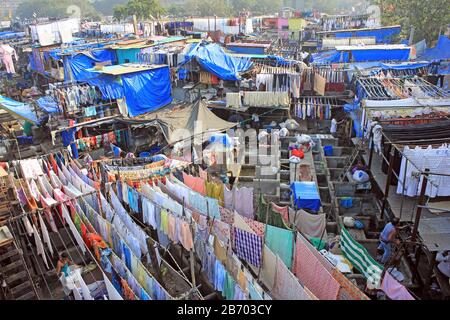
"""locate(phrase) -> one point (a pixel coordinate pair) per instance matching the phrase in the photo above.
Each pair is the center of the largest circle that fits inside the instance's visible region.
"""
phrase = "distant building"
(8, 9)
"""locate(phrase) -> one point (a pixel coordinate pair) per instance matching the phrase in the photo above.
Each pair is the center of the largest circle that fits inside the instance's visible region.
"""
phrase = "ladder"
(19, 284)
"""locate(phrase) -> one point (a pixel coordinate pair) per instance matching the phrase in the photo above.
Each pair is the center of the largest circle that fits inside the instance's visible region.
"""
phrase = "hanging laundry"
(313, 274)
(286, 285)
(40, 246)
(243, 201)
(394, 289)
(248, 246)
(195, 183)
(45, 235)
(233, 100)
(281, 242)
(266, 99)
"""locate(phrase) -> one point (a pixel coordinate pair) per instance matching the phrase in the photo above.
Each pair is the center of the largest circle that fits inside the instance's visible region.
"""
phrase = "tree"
(427, 17)
(143, 9)
(107, 7)
(208, 8)
(56, 9)
(120, 12)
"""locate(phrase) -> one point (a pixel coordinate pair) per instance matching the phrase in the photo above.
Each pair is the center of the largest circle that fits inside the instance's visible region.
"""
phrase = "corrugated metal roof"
(435, 233)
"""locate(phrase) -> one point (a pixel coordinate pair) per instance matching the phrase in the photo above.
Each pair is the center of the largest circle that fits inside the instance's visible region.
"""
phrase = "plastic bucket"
(328, 150)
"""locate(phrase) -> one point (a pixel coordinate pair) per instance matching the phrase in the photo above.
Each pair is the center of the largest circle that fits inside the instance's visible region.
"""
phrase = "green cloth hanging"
(317, 243)
(274, 218)
(27, 128)
(228, 287)
(281, 242)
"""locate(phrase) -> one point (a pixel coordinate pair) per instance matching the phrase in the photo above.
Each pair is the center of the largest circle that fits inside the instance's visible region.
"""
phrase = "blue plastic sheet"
(76, 65)
(58, 53)
(109, 85)
(381, 55)
(306, 196)
(440, 52)
(384, 35)
(281, 61)
(47, 104)
(328, 57)
(246, 50)
(36, 62)
(18, 109)
(213, 59)
(147, 91)
(6, 35)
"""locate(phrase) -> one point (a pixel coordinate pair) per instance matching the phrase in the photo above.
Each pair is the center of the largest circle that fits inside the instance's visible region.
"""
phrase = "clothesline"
(180, 272)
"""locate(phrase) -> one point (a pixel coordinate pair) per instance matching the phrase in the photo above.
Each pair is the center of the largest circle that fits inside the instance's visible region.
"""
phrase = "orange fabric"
(241, 280)
(54, 164)
(194, 183)
(348, 290)
(127, 292)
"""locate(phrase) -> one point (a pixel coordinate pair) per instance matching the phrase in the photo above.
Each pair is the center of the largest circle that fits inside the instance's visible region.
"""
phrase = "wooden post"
(192, 261)
(153, 256)
(371, 150)
(264, 236)
(416, 265)
(427, 285)
(420, 204)
(388, 181)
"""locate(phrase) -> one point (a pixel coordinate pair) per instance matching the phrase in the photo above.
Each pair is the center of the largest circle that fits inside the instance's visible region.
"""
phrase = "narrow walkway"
(402, 207)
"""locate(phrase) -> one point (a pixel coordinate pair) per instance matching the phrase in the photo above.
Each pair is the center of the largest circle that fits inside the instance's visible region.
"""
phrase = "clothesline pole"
(403, 187)
(264, 238)
(420, 205)
(388, 182)
(371, 149)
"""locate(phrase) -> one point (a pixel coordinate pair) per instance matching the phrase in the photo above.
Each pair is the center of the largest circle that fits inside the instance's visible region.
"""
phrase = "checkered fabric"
(248, 246)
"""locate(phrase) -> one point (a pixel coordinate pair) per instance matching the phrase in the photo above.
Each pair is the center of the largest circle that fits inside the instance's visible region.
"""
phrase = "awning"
(183, 122)
(18, 109)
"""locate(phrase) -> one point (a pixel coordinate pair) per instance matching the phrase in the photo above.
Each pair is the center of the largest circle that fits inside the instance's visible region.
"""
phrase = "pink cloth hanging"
(394, 289)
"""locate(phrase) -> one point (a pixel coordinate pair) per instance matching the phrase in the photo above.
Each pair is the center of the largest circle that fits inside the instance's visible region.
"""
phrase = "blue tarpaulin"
(48, 104)
(281, 61)
(327, 57)
(213, 59)
(360, 55)
(109, 85)
(440, 52)
(147, 91)
(381, 55)
(75, 67)
(246, 50)
(384, 35)
(306, 196)
(58, 53)
(5, 35)
(18, 109)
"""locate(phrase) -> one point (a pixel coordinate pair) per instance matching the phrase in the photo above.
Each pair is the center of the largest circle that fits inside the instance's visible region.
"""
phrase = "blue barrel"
(328, 150)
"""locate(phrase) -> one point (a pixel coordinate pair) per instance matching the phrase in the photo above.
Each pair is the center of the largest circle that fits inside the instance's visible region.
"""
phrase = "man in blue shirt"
(387, 238)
